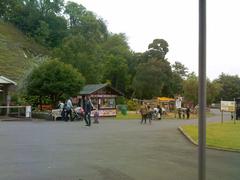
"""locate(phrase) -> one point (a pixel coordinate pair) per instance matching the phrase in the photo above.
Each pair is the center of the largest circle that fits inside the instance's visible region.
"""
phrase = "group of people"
(150, 113)
(183, 112)
(84, 112)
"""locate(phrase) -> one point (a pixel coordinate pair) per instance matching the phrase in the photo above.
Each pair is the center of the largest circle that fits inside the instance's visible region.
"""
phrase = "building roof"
(91, 88)
(4, 80)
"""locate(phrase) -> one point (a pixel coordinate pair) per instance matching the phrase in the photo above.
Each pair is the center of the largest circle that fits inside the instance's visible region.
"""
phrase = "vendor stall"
(103, 98)
(6, 85)
(166, 102)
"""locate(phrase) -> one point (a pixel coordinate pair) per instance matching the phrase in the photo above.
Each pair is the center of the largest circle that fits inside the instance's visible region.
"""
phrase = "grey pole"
(202, 92)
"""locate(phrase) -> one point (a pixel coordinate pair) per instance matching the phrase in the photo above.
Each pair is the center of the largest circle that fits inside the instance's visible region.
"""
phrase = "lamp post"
(202, 92)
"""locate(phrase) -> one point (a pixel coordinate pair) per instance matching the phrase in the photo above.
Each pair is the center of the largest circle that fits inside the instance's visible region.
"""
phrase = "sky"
(176, 21)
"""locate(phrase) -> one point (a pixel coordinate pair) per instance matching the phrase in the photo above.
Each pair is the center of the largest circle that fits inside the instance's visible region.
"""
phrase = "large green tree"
(116, 55)
(54, 79)
(190, 89)
(152, 79)
(230, 87)
(82, 54)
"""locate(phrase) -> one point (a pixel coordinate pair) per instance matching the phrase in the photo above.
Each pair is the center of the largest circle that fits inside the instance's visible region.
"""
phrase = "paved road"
(112, 150)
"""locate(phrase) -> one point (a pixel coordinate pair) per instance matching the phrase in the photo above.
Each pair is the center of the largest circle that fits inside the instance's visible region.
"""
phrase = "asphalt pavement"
(111, 150)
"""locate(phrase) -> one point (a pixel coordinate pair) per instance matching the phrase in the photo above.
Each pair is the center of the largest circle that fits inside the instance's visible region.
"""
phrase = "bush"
(132, 105)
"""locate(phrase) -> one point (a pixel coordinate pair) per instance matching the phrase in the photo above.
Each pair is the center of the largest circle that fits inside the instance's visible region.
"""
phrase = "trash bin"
(124, 110)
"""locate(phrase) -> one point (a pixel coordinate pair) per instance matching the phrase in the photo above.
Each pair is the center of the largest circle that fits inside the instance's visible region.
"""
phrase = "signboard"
(28, 111)
(228, 106)
(105, 112)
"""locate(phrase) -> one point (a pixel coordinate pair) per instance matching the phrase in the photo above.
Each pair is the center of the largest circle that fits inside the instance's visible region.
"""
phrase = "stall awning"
(165, 99)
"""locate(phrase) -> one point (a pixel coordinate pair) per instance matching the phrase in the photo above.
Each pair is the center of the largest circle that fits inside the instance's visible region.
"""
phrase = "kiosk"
(103, 98)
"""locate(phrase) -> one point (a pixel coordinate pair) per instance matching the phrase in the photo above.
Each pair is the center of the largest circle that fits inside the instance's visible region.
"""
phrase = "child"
(96, 116)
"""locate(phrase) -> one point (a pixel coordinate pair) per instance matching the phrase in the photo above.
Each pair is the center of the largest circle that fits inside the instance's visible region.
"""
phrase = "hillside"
(17, 52)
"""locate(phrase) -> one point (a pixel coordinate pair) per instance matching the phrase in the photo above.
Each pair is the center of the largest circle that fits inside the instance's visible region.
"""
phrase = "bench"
(56, 113)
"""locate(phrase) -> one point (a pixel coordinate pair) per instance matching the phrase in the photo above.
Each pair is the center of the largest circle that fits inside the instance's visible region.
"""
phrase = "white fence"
(16, 111)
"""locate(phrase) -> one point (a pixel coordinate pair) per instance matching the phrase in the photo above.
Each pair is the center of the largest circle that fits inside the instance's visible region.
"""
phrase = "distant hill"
(17, 52)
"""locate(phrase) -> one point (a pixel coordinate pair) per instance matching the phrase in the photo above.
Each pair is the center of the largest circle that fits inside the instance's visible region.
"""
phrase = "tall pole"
(202, 92)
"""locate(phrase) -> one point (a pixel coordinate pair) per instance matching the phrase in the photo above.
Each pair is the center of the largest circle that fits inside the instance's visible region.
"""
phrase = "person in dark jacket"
(188, 112)
(87, 109)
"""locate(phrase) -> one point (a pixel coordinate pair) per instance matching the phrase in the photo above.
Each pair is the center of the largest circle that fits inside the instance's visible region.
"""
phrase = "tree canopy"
(54, 79)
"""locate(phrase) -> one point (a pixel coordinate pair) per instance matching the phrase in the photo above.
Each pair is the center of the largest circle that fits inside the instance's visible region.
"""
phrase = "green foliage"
(37, 18)
(157, 49)
(120, 100)
(190, 89)
(83, 55)
(17, 52)
(180, 69)
(132, 105)
(116, 54)
(229, 87)
(213, 91)
(152, 79)
(54, 79)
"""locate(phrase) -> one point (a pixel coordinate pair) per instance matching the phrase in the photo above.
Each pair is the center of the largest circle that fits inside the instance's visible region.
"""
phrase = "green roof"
(91, 88)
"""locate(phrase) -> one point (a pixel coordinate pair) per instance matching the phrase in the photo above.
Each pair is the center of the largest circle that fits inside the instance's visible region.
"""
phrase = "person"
(179, 113)
(61, 107)
(143, 111)
(96, 116)
(87, 109)
(69, 107)
(183, 112)
(149, 113)
(188, 112)
(159, 112)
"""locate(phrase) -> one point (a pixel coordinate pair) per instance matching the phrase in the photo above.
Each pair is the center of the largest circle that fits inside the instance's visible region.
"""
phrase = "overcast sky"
(176, 21)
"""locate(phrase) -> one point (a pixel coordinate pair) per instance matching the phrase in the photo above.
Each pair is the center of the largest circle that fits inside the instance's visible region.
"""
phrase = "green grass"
(134, 115)
(226, 135)
(128, 116)
(16, 52)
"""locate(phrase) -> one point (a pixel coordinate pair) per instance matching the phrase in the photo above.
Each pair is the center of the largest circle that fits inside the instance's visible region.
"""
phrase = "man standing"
(87, 109)
(69, 109)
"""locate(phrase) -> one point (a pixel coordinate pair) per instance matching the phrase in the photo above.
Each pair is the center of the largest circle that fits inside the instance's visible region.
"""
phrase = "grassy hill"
(17, 52)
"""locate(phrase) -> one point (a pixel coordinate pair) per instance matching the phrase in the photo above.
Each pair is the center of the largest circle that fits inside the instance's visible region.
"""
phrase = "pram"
(78, 114)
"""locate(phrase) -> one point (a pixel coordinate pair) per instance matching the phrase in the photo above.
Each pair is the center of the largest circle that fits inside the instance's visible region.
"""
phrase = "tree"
(190, 88)
(230, 87)
(157, 49)
(54, 79)
(116, 54)
(82, 54)
(213, 91)
(47, 7)
(86, 22)
(180, 69)
(152, 79)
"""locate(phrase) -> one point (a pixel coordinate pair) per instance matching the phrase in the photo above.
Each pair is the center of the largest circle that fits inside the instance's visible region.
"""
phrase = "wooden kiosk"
(103, 98)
